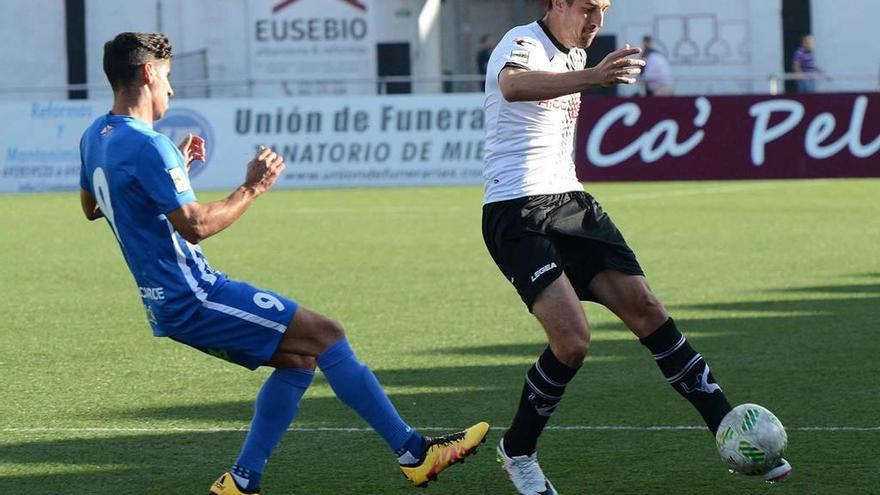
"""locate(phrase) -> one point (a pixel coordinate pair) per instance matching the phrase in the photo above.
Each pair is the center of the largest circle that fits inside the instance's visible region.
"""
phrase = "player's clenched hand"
(618, 68)
(193, 149)
(264, 169)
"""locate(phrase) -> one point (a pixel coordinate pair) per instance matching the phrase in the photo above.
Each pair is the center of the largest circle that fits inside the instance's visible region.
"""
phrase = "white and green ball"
(751, 439)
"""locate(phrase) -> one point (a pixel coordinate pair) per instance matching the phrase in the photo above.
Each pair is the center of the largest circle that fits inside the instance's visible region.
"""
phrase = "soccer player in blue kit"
(137, 179)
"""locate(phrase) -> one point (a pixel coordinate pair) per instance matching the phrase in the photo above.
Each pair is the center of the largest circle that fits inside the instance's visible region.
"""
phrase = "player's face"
(584, 19)
(160, 87)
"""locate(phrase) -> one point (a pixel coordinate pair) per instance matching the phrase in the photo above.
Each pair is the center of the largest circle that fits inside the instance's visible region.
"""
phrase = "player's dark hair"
(127, 52)
(550, 3)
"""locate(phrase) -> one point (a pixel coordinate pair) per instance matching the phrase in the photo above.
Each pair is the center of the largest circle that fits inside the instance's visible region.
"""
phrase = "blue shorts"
(239, 323)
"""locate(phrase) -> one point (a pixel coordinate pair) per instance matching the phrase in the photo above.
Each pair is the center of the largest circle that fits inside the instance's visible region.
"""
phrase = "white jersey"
(530, 145)
(657, 73)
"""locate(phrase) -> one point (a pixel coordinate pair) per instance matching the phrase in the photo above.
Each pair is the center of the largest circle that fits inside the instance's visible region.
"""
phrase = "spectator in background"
(657, 74)
(804, 63)
(487, 44)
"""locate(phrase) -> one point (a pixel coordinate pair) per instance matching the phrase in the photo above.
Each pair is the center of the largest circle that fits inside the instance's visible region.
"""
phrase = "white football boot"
(525, 473)
(778, 473)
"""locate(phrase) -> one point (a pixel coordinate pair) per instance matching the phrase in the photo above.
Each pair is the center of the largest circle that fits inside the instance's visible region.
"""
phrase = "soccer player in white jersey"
(553, 241)
(138, 180)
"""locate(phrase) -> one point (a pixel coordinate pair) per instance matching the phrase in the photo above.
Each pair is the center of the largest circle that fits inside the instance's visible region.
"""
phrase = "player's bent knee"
(310, 334)
(650, 314)
(326, 332)
(572, 352)
(332, 331)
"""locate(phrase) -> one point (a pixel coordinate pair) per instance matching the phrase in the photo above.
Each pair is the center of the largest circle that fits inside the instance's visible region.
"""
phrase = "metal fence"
(189, 81)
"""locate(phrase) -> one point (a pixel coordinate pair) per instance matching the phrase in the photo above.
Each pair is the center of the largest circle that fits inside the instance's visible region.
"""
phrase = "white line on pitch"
(423, 428)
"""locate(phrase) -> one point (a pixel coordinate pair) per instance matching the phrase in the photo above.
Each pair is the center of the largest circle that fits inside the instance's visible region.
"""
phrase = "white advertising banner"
(327, 142)
(332, 43)
(338, 142)
(40, 144)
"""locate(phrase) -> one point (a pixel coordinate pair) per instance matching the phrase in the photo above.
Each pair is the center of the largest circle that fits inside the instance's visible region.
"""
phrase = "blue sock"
(357, 387)
(276, 406)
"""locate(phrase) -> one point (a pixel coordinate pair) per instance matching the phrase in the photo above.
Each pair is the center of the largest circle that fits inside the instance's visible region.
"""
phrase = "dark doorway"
(601, 47)
(394, 60)
(75, 23)
(796, 22)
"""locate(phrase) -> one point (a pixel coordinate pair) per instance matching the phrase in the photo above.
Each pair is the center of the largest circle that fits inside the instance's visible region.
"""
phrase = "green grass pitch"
(776, 283)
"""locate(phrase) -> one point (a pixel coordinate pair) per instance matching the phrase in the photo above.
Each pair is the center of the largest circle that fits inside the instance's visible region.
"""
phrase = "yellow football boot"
(225, 485)
(445, 451)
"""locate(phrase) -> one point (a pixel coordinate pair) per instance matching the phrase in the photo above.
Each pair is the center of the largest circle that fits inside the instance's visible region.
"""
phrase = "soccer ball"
(750, 439)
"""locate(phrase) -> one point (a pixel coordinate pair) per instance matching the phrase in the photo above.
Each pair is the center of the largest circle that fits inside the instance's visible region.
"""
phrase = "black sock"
(688, 373)
(544, 385)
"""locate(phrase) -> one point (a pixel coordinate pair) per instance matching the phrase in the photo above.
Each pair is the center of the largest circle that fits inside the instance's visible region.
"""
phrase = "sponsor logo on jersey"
(519, 56)
(180, 179)
(542, 271)
(152, 293)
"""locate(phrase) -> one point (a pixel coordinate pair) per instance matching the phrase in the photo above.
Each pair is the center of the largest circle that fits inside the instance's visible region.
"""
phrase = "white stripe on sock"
(669, 352)
(693, 362)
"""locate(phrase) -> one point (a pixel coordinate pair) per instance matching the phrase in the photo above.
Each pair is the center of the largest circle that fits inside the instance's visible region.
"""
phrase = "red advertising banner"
(729, 137)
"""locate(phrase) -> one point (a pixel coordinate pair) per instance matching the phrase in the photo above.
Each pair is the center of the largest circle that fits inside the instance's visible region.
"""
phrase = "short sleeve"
(84, 183)
(519, 51)
(163, 175)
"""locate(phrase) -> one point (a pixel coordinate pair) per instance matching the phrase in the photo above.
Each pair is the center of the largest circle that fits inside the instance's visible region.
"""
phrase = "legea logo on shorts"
(178, 122)
(542, 271)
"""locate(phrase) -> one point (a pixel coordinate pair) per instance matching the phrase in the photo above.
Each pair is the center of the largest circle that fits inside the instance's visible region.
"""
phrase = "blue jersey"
(137, 175)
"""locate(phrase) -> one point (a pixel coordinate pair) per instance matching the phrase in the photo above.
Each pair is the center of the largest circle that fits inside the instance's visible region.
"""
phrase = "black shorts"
(533, 240)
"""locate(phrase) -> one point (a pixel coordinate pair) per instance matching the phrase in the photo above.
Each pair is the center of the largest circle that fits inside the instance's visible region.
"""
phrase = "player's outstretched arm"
(89, 205)
(196, 222)
(528, 85)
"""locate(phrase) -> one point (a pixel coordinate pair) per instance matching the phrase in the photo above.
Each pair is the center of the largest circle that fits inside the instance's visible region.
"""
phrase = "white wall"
(32, 37)
(466, 21)
(847, 42)
(222, 31)
(221, 27)
(217, 25)
(33, 48)
(104, 20)
(426, 52)
(725, 40)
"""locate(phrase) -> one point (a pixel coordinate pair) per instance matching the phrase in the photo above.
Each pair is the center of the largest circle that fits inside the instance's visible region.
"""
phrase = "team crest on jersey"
(106, 130)
(524, 42)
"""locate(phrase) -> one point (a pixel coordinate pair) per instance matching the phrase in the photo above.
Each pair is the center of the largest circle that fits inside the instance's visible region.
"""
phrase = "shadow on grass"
(836, 289)
(813, 361)
(318, 463)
